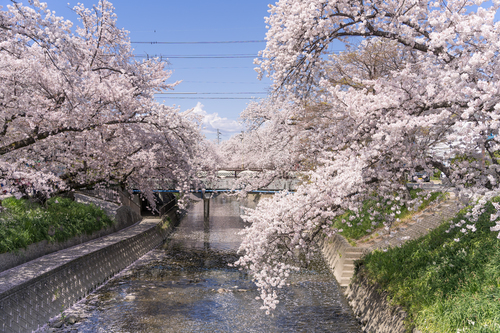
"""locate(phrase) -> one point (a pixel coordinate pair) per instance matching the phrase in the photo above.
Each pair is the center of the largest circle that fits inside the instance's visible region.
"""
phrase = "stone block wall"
(372, 309)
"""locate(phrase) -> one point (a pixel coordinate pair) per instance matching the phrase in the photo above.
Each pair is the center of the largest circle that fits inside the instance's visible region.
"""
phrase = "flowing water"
(187, 286)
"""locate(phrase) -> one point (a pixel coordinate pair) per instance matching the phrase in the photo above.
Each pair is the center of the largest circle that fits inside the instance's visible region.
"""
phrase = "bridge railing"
(168, 206)
(237, 173)
(105, 193)
(114, 194)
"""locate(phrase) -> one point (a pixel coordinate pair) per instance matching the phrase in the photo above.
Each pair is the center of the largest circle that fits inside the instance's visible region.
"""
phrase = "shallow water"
(187, 286)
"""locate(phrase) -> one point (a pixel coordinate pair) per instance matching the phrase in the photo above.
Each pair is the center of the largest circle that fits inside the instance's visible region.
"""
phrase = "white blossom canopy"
(361, 132)
(77, 109)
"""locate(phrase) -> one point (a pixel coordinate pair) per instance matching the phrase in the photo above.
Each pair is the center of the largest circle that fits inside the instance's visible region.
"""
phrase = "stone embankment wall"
(36, 291)
(368, 303)
(372, 309)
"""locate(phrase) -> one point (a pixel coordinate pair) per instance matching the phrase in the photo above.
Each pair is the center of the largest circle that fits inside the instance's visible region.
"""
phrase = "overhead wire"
(213, 93)
(214, 67)
(203, 42)
(171, 95)
(198, 56)
(202, 97)
(232, 82)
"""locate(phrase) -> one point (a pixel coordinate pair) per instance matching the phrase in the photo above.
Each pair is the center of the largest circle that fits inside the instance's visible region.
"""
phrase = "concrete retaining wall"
(369, 305)
(33, 293)
(340, 257)
(131, 201)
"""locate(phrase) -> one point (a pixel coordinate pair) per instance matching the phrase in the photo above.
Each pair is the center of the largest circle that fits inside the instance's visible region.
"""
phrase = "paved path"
(341, 255)
(419, 225)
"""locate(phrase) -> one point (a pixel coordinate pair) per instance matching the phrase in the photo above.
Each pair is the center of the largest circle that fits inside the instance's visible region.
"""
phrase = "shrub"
(23, 223)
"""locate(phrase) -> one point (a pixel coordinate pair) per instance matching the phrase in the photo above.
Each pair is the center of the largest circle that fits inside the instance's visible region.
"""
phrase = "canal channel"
(186, 285)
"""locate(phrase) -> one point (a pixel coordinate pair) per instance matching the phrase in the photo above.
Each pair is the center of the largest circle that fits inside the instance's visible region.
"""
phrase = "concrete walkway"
(419, 225)
(122, 215)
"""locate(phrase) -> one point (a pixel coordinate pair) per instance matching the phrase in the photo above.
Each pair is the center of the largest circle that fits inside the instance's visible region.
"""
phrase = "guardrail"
(114, 194)
(167, 207)
(105, 193)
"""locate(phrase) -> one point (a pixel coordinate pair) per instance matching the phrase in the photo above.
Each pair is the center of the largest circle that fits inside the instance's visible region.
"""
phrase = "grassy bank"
(23, 223)
(445, 285)
(369, 219)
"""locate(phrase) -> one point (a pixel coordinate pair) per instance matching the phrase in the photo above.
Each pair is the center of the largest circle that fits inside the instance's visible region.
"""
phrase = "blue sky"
(228, 82)
(196, 21)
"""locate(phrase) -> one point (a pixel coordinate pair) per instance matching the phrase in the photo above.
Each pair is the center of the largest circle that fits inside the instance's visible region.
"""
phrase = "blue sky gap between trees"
(183, 33)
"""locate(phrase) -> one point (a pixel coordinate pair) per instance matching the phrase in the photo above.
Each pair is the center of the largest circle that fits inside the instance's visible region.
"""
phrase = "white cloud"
(211, 122)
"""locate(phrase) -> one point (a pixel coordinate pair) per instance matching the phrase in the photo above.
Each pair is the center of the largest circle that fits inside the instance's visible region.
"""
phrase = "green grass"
(23, 223)
(363, 225)
(444, 285)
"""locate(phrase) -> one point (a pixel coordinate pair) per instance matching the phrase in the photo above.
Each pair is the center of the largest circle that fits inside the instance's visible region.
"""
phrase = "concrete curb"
(36, 291)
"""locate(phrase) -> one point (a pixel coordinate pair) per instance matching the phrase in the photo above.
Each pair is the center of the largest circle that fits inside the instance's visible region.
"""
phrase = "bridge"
(229, 180)
(225, 181)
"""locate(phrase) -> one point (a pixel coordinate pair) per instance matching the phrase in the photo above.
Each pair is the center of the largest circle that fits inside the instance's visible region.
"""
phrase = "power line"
(202, 97)
(214, 42)
(198, 56)
(213, 93)
(216, 67)
(232, 82)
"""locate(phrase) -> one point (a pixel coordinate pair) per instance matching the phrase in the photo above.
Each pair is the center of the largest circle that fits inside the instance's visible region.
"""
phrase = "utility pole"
(242, 164)
(218, 136)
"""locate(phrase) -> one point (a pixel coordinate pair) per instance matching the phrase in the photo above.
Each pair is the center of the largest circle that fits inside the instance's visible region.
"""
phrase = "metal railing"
(167, 207)
(111, 194)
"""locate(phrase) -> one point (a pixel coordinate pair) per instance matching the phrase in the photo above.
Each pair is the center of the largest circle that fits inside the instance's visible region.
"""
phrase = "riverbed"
(187, 285)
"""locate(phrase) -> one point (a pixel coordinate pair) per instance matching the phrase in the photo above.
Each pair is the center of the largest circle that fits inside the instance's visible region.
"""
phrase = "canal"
(187, 286)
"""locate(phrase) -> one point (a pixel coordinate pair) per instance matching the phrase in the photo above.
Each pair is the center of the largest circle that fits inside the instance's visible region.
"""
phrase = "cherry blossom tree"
(373, 130)
(265, 146)
(77, 109)
(371, 59)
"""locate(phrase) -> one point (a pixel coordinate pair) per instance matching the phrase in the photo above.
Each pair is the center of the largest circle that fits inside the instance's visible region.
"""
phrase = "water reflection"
(188, 286)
